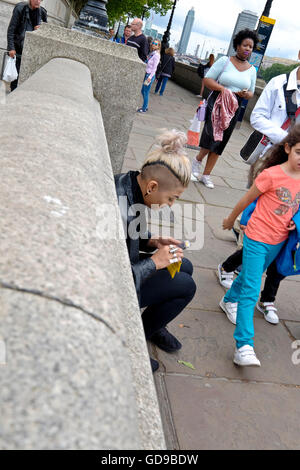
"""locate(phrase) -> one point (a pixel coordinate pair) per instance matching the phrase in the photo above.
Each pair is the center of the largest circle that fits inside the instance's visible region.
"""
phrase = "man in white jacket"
(270, 111)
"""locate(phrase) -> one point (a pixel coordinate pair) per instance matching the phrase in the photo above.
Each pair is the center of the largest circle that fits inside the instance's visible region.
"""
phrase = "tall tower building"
(186, 32)
(246, 19)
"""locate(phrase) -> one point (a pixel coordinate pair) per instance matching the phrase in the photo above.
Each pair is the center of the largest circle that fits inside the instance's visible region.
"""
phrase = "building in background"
(246, 19)
(186, 32)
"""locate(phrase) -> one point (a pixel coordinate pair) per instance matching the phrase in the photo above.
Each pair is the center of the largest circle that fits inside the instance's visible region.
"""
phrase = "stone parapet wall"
(77, 373)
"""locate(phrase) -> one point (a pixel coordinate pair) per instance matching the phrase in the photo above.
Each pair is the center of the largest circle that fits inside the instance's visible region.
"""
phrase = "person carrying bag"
(165, 70)
(10, 72)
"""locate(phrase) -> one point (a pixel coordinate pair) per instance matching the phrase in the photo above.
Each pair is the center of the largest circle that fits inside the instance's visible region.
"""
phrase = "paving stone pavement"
(217, 405)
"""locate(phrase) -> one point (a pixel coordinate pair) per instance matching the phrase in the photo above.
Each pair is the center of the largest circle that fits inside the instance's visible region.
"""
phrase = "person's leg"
(158, 85)
(272, 282)
(197, 164)
(266, 304)
(165, 298)
(233, 261)
(163, 87)
(147, 89)
(227, 268)
(256, 258)
(210, 163)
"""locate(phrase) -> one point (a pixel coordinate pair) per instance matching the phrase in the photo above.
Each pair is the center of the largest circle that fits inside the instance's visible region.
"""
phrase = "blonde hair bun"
(172, 141)
(169, 151)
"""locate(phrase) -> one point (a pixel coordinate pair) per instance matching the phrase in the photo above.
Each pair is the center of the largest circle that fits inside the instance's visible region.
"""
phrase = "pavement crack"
(65, 302)
(228, 379)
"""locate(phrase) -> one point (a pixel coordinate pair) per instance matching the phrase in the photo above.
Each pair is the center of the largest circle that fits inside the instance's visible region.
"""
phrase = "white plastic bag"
(10, 72)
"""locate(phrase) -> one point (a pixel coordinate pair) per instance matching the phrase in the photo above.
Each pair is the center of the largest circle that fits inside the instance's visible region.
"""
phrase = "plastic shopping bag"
(193, 135)
(10, 72)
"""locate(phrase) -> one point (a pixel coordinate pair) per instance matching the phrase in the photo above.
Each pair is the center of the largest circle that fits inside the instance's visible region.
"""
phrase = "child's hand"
(291, 225)
(243, 227)
(228, 223)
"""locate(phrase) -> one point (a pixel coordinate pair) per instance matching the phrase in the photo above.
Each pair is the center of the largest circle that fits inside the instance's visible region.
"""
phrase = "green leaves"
(276, 69)
(187, 364)
(117, 10)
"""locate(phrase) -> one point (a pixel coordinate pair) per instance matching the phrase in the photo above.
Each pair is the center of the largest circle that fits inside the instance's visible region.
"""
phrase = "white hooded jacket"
(270, 113)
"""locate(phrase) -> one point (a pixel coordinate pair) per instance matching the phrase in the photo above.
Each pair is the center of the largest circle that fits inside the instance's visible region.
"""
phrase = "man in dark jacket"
(27, 16)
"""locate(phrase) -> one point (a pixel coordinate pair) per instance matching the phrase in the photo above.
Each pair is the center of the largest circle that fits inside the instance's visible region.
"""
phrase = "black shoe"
(165, 341)
(154, 364)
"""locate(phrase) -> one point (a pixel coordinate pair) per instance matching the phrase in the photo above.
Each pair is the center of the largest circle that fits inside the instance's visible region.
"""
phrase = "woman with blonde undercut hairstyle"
(163, 177)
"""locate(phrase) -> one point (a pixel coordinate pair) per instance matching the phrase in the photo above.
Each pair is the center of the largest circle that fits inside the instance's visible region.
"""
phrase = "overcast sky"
(215, 21)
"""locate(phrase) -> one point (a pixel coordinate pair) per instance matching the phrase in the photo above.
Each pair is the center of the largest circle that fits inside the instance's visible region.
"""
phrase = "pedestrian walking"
(27, 16)
(231, 80)
(277, 188)
(152, 64)
(165, 70)
(163, 177)
(138, 40)
(202, 71)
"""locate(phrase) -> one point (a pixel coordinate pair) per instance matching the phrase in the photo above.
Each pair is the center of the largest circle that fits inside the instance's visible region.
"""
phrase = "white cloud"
(215, 21)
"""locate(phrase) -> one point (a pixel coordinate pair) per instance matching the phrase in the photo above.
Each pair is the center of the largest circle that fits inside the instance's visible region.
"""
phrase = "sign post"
(264, 31)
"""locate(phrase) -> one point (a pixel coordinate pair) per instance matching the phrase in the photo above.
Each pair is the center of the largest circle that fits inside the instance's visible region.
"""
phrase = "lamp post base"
(93, 19)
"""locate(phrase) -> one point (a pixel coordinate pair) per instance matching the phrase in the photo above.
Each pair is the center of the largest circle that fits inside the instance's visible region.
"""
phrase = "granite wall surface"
(76, 373)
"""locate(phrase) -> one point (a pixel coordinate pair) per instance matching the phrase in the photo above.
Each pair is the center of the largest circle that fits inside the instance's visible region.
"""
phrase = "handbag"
(257, 142)
(10, 71)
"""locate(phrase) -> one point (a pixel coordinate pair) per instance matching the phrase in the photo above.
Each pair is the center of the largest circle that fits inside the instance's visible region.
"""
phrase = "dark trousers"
(14, 84)
(273, 278)
(161, 84)
(165, 297)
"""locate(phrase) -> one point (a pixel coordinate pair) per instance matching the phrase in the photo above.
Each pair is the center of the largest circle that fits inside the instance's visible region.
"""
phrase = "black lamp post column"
(93, 19)
(166, 36)
(267, 9)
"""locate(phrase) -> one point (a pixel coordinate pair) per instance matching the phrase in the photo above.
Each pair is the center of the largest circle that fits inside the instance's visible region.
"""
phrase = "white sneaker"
(226, 279)
(230, 308)
(196, 169)
(269, 311)
(206, 180)
(245, 356)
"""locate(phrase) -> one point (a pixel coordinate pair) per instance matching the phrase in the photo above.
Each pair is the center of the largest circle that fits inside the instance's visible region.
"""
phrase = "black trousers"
(14, 84)
(165, 297)
(273, 278)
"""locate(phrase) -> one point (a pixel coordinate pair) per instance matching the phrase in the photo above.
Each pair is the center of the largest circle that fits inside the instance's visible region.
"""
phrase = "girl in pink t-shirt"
(277, 188)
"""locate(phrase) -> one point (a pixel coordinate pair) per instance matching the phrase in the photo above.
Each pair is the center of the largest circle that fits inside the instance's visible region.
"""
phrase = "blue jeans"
(245, 289)
(162, 82)
(146, 91)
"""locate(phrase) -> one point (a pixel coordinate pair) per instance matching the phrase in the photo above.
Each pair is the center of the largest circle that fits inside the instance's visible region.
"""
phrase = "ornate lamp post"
(166, 36)
(93, 19)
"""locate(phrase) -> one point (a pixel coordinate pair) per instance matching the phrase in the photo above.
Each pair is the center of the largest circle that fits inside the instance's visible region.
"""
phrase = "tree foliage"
(274, 70)
(117, 9)
(136, 8)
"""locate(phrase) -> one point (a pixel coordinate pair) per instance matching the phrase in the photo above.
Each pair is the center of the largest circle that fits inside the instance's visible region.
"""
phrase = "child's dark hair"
(277, 154)
(245, 34)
